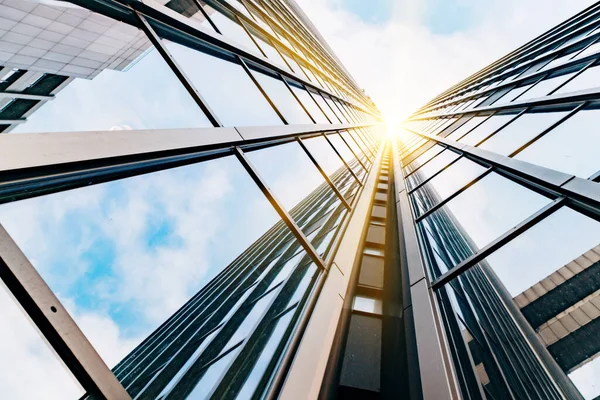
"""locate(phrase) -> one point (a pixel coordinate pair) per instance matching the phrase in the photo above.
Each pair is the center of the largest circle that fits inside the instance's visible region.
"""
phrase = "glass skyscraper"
(198, 201)
(497, 188)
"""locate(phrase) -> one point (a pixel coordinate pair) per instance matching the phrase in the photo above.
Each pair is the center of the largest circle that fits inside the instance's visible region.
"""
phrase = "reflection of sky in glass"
(466, 127)
(520, 131)
(35, 371)
(226, 87)
(486, 128)
(147, 96)
(123, 256)
(291, 184)
(324, 154)
(590, 78)
(283, 99)
(545, 86)
(544, 248)
(571, 147)
(492, 206)
(455, 177)
(437, 163)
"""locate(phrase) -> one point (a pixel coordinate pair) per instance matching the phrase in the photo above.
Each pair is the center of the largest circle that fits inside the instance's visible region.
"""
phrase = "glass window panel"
(295, 175)
(272, 54)
(426, 156)
(485, 129)
(513, 94)
(466, 127)
(352, 144)
(588, 79)
(520, 131)
(593, 49)
(212, 376)
(233, 31)
(31, 369)
(487, 210)
(324, 154)
(226, 87)
(283, 99)
(557, 61)
(426, 171)
(336, 112)
(310, 105)
(325, 108)
(265, 356)
(132, 249)
(341, 148)
(114, 92)
(550, 249)
(545, 86)
(191, 10)
(450, 180)
(571, 147)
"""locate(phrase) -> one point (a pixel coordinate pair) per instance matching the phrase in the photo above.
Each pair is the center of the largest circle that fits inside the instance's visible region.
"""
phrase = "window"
(571, 147)
(520, 131)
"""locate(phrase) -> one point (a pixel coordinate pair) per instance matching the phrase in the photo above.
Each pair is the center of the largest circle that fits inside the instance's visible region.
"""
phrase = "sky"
(405, 52)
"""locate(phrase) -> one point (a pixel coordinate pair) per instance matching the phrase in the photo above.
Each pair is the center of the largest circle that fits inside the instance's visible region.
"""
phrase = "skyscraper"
(197, 201)
(179, 182)
(497, 188)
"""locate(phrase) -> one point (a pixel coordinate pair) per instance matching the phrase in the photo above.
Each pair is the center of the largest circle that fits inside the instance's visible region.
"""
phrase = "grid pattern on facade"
(501, 173)
(182, 112)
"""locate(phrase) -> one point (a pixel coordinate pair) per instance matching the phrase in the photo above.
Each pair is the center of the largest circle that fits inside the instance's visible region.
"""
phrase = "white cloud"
(402, 64)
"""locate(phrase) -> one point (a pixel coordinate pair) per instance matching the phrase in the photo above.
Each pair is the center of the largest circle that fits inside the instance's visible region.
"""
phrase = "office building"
(498, 180)
(197, 200)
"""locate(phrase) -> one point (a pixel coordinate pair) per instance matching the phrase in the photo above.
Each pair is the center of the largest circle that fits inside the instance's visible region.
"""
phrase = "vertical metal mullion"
(205, 14)
(251, 36)
(285, 82)
(260, 88)
(352, 151)
(315, 100)
(183, 78)
(363, 146)
(54, 322)
(328, 105)
(285, 216)
(342, 158)
(323, 173)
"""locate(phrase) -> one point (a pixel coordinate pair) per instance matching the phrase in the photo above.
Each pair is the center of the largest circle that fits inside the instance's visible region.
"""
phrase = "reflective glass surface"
(485, 211)
(125, 255)
(588, 79)
(324, 154)
(520, 131)
(545, 86)
(226, 87)
(490, 126)
(310, 105)
(283, 99)
(466, 127)
(433, 166)
(571, 147)
(449, 181)
(30, 368)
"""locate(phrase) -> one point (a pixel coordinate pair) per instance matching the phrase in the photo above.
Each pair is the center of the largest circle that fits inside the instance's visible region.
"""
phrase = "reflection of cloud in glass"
(123, 256)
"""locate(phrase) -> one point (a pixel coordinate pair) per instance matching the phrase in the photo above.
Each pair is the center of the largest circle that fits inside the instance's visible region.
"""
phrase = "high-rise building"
(497, 189)
(184, 187)
(198, 201)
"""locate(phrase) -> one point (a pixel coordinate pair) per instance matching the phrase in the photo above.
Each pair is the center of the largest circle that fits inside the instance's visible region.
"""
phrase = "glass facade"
(501, 176)
(176, 178)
